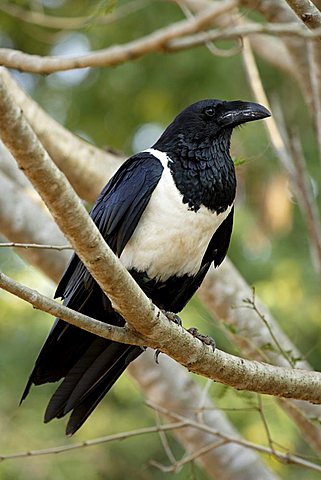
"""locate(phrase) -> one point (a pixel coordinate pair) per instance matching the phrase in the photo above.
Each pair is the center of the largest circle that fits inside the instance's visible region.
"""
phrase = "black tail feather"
(58, 401)
(90, 400)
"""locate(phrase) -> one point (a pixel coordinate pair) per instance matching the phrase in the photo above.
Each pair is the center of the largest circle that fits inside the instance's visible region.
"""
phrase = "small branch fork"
(179, 422)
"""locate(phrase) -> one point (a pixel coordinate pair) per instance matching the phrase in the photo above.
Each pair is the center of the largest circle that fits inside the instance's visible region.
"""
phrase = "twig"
(41, 302)
(35, 245)
(164, 441)
(251, 303)
(126, 296)
(94, 442)
(265, 425)
(175, 467)
(286, 458)
(246, 30)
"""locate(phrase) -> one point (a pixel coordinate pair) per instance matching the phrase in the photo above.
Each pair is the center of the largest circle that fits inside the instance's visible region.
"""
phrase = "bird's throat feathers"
(203, 171)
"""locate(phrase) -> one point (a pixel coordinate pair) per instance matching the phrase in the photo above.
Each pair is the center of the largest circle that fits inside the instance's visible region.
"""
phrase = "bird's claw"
(206, 340)
(172, 317)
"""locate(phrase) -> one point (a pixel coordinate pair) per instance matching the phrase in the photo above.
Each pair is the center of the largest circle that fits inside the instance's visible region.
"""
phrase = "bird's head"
(209, 121)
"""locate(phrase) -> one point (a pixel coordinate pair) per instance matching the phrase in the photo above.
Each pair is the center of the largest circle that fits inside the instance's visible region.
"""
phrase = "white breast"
(170, 239)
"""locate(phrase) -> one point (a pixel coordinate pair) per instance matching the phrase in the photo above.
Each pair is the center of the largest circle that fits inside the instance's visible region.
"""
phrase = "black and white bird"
(167, 213)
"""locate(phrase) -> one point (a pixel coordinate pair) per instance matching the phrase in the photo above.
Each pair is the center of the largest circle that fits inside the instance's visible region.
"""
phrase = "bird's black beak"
(237, 112)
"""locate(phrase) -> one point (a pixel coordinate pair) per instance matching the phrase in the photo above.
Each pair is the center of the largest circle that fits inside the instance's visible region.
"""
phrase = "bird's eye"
(209, 112)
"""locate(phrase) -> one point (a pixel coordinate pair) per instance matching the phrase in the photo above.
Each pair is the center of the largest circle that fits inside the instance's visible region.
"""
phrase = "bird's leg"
(173, 318)
(206, 340)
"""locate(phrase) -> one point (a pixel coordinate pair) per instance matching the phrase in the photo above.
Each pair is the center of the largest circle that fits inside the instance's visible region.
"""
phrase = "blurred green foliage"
(107, 106)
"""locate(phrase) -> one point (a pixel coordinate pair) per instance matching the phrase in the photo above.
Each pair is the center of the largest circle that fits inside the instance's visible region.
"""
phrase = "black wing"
(89, 364)
(116, 213)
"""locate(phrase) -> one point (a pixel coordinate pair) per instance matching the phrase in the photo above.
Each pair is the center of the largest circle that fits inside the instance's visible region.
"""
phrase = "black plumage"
(168, 214)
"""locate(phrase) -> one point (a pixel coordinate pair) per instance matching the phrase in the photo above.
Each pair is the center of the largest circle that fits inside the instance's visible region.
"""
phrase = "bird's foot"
(173, 318)
(206, 340)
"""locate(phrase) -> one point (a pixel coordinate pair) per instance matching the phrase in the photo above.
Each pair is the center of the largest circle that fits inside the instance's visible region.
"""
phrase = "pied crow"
(167, 213)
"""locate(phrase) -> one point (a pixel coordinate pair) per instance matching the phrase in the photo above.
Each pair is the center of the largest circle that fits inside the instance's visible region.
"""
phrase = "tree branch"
(156, 41)
(285, 457)
(125, 295)
(168, 383)
(34, 245)
(307, 12)
(41, 302)
(94, 442)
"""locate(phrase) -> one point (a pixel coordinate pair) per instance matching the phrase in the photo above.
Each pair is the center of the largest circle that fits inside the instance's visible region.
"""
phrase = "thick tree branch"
(124, 293)
(171, 386)
(219, 286)
(307, 12)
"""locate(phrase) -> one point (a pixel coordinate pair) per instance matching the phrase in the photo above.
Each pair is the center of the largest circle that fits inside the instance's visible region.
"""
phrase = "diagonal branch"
(307, 12)
(125, 295)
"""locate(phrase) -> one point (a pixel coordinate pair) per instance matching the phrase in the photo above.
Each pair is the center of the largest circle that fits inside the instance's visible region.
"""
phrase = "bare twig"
(35, 245)
(265, 424)
(175, 467)
(283, 457)
(251, 303)
(94, 442)
(164, 441)
(280, 29)
(276, 11)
